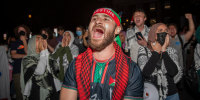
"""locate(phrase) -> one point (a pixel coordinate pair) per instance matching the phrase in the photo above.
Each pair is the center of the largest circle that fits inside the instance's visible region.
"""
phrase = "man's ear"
(145, 18)
(118, 29)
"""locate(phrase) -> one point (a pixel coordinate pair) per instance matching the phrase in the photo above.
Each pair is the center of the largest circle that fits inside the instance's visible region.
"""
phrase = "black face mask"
(44, 36)
(161, 38)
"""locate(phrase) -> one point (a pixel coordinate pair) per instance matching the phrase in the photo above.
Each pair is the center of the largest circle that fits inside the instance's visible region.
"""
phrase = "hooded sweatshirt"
(38, 73)
(64, 55)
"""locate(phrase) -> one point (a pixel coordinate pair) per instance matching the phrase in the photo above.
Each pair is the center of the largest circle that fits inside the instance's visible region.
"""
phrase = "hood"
(72, 37)
(32, 47)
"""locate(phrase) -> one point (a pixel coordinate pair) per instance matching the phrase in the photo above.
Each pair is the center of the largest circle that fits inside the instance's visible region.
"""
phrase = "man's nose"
(99, 21)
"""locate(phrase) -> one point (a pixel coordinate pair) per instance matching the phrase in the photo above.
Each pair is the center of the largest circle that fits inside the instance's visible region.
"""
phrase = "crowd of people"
(101, 62)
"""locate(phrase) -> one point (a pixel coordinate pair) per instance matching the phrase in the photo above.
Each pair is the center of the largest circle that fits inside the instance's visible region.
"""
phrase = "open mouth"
(98, 33)
(137, 20)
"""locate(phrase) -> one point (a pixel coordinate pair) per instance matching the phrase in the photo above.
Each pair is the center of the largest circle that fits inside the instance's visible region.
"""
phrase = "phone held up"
(139, 34)
(55, 32)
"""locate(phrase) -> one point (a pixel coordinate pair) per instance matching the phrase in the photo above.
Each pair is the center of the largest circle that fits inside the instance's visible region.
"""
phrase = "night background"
(71, 13)
(37, 14)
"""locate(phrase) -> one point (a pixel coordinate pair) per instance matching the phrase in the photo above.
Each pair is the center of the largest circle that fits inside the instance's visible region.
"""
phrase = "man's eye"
(106, 19)
(93, 19)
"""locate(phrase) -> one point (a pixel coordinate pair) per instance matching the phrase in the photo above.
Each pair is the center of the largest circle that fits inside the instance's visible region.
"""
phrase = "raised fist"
(188, 16)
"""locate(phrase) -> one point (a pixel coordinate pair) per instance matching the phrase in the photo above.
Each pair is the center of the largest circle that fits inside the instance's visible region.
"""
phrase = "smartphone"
(30, 35)
(139, 34)
(55, 32)
(4, 36)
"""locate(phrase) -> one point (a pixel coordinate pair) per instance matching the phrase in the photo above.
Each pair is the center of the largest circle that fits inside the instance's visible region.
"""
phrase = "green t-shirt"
(99, 71)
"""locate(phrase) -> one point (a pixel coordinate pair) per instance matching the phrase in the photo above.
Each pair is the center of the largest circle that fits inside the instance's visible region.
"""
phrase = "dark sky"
(47, 13)
(69, 13)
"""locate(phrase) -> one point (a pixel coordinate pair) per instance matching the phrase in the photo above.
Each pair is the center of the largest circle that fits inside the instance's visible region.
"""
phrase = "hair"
(140, 10)
(49, 32)
(60, 28)
(152, 34)
(173, 24)
(25, 27)
(82, 28)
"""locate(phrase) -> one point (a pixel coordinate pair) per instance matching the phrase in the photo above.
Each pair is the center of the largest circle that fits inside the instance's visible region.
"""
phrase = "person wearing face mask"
(159, 63)
(39, 71)
(79, 40)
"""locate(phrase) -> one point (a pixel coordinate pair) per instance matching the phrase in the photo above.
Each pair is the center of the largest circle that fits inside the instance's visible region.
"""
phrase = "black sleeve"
(70, 77)
(14, 46)
(151, 64)
(169, 64)
(135, 85)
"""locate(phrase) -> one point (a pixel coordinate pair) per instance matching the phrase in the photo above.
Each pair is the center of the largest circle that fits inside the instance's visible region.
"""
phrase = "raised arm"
(41, 66)
(191, 30)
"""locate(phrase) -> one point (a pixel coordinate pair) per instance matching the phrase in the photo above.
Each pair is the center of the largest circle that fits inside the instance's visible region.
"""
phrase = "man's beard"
(107, 40)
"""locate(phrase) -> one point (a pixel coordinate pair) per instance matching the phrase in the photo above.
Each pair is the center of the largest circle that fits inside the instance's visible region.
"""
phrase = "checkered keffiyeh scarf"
(83, 72)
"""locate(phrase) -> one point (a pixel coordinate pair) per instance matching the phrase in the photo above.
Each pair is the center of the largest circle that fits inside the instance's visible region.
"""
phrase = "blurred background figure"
(19, 51)
(80, 31)
(65, 52)
(85, 39)
(4, 73)
(61, 30)
(197, 55)
(122, 36)
(177, 41)
(47, 33)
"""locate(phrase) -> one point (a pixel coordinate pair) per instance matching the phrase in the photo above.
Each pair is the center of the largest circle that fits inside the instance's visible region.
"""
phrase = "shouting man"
(103, 71)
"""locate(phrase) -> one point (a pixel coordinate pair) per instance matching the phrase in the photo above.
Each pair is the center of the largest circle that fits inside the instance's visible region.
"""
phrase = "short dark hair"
(82, 28)
(173, 24)
(140, 10)
(60, 28)
(49, 32)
